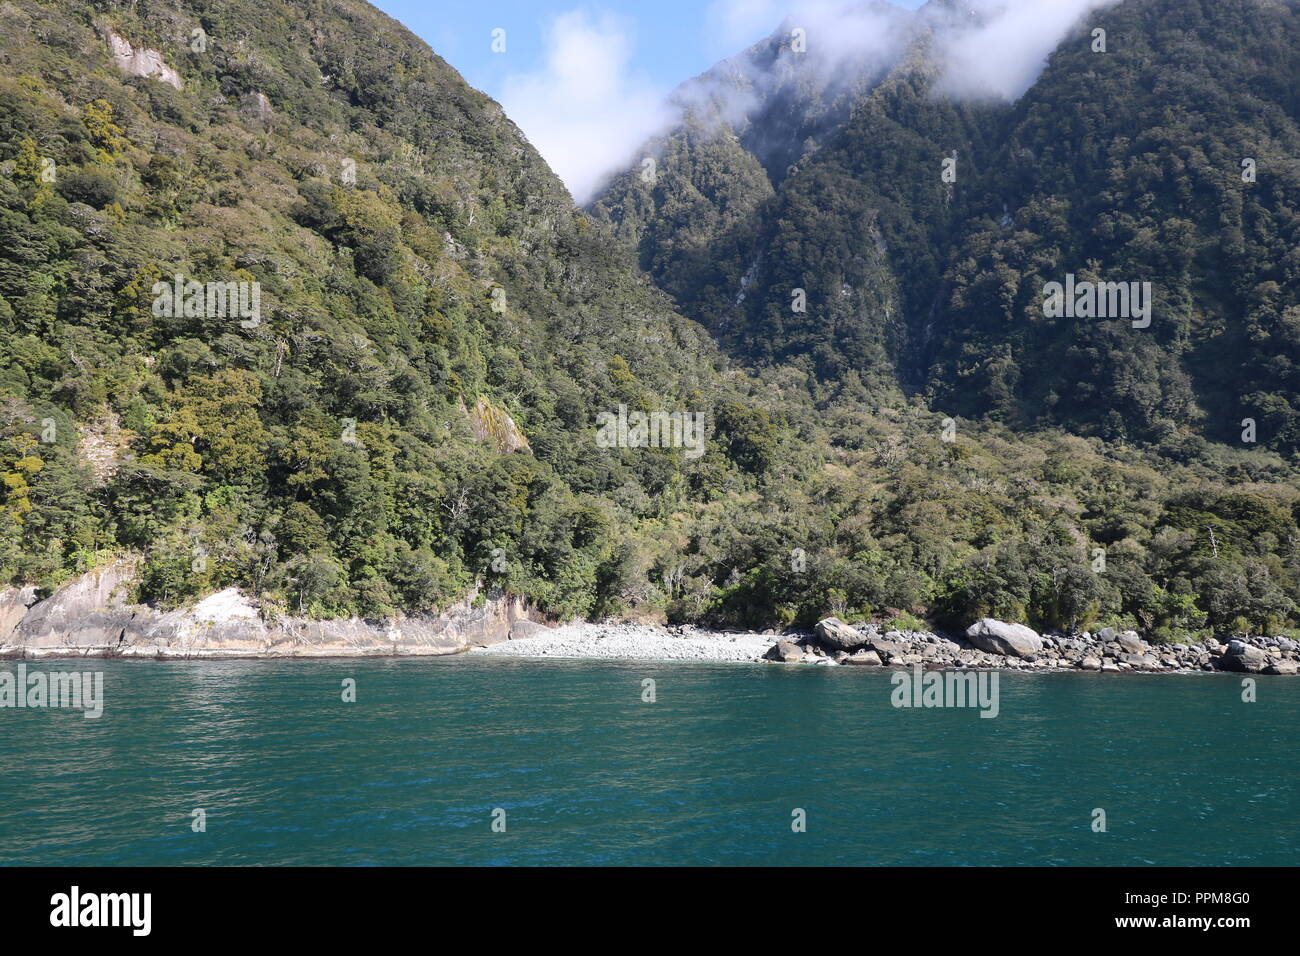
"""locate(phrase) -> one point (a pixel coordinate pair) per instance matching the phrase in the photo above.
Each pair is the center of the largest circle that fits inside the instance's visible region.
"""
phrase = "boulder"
(1140, 660)
(882, 647)
(1243, 658)
(1090, 664)
(1131, 643)
(835, 635)
(999, 637)
(863, 659)
(255, 107)
(523, 629)
(784, 652)
(1282, 667)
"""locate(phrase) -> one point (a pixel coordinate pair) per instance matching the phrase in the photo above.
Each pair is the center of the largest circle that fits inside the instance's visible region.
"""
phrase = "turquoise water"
(588, 773)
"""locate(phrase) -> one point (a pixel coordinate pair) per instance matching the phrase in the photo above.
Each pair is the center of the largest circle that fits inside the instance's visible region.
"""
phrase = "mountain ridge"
(883, 165)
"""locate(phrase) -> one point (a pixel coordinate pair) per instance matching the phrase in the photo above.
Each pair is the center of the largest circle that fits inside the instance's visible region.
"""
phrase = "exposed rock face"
(14, 603)
(998, 637)
(90, 611)
(835, 635)
(255, 108)
(494, 425)
(99, 443)
(141, 62)
(91, 616)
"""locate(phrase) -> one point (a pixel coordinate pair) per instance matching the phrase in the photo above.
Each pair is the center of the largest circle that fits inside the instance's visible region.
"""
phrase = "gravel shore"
(634, 642)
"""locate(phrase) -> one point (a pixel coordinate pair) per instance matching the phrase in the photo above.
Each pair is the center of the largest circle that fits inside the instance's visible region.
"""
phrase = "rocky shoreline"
(91, 616)
(987, 644)
(997, 644)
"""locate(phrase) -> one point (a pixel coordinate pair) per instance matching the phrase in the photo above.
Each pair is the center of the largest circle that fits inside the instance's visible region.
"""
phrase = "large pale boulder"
(999, 637)
(835, 635)
(1131, 643)
(1243, 658)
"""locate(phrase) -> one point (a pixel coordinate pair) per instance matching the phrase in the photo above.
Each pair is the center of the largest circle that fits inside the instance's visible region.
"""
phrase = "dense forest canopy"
(1170, 158)
(412, 408)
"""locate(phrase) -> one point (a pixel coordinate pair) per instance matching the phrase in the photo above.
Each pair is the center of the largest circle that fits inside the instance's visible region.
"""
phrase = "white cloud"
(586, 110)
(1004, 55)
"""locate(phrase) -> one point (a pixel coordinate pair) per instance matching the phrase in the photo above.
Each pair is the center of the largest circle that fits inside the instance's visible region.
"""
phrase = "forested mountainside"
(426, 288)
(1171, 158)
(408, 399)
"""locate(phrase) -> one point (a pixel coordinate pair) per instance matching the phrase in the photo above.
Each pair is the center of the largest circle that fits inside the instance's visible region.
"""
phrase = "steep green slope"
(1128, 166)
(426, 287)
(415, 405)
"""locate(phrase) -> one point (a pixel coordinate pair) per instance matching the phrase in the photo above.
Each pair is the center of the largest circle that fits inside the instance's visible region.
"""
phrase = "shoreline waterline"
(637, 642)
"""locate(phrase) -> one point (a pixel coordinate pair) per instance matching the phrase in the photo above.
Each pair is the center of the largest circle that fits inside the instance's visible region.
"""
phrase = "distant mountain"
(1131, 165)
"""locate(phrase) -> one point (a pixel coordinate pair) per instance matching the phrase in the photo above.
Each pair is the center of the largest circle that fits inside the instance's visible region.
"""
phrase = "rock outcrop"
(255, 108)
(494, 426)
(14, 604)
(523, 629)
(141, 62)
(93, 616)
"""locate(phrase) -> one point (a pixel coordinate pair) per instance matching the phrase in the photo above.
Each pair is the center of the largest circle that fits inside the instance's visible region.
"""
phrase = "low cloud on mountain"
(589, 110)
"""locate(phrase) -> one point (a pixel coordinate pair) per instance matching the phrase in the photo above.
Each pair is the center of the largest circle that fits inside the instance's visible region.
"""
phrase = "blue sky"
(671, 40)
(586, 80)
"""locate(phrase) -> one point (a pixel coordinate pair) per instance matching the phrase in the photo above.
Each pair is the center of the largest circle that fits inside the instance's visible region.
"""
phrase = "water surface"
(588, 773)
